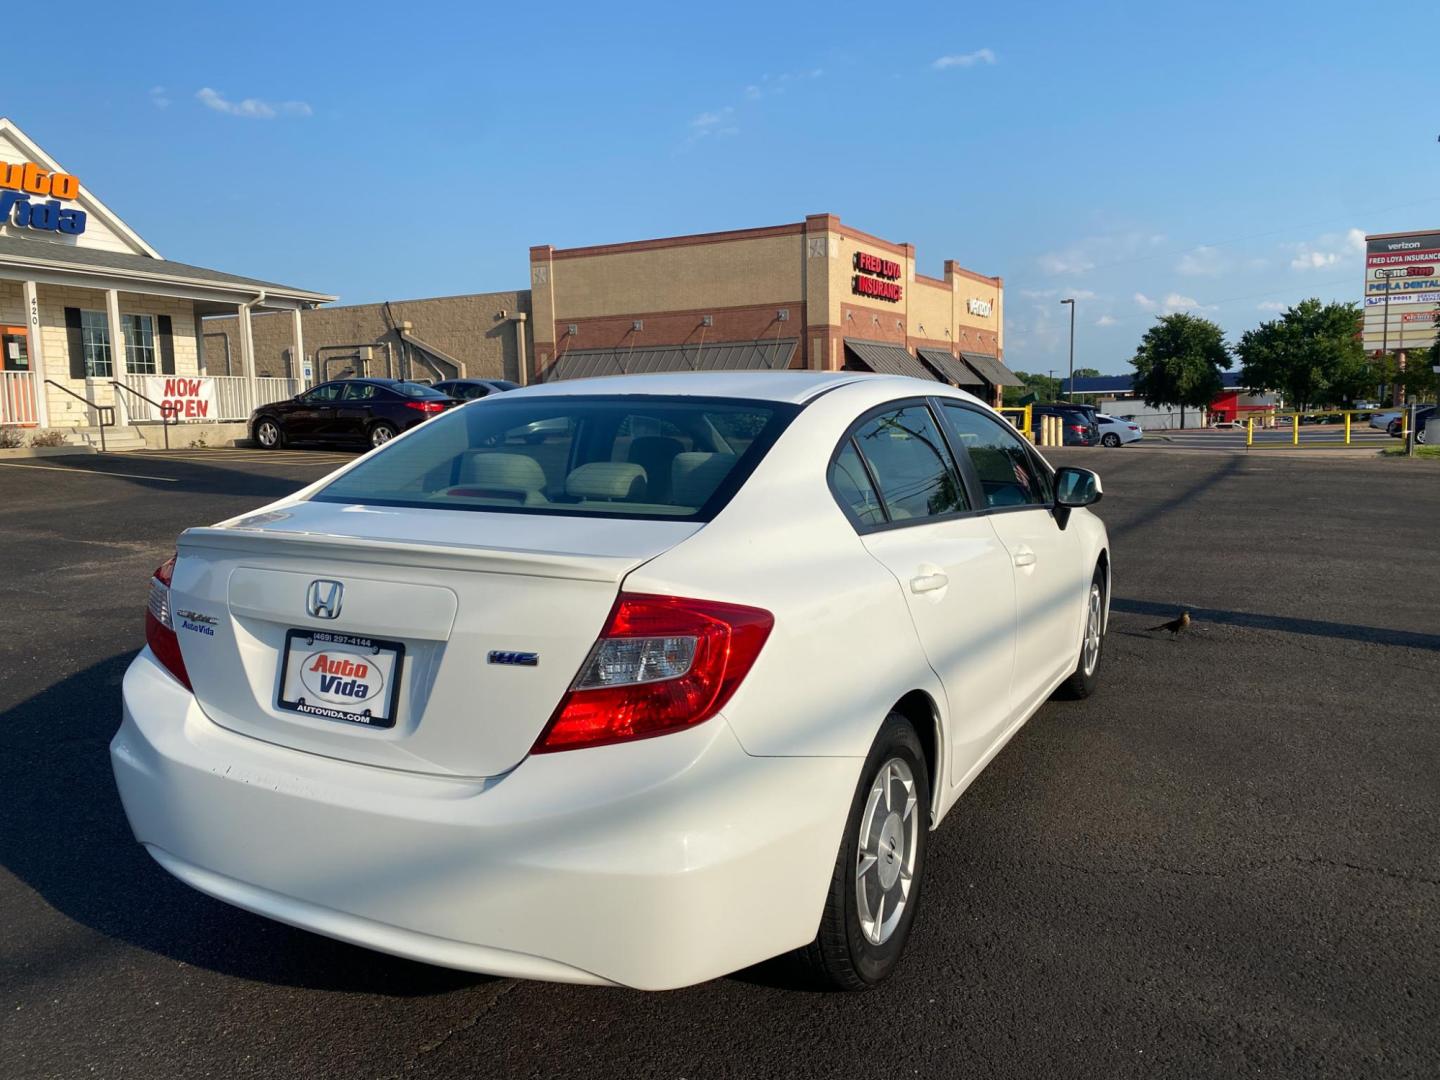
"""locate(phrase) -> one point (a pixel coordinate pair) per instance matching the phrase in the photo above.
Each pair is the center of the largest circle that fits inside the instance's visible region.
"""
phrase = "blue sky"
(1220, 158)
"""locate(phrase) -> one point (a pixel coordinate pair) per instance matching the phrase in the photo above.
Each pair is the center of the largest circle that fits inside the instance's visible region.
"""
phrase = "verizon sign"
(1401, 291)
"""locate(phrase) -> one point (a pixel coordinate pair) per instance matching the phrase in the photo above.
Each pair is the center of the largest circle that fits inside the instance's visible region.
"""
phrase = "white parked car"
(1117, 432)
(1383, 420)
(681, 686)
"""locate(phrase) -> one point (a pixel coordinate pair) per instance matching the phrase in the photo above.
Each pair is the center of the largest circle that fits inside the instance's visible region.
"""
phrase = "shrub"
(10, 438)
(52, 437)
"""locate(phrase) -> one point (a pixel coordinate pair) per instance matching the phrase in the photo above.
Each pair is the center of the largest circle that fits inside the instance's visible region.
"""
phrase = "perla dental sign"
(31, 197)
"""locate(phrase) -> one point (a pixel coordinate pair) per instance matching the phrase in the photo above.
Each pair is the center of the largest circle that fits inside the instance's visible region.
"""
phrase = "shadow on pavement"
(63, 833)
(1378, 635)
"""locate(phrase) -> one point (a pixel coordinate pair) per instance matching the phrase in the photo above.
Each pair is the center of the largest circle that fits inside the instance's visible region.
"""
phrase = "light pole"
(1070, 386)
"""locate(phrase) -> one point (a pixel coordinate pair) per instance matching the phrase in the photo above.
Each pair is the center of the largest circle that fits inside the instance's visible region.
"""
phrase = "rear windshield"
(674, 458)
(415, 390)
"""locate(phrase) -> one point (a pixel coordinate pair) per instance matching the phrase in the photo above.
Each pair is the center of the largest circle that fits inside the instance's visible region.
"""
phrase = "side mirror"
(1074, 487)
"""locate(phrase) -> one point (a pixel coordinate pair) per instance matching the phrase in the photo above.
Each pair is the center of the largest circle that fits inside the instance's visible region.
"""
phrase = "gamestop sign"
(182, 397)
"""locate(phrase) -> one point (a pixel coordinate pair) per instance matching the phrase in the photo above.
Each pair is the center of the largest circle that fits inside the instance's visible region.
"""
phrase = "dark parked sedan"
(1422, 417)
(470, 389)
(348, 410)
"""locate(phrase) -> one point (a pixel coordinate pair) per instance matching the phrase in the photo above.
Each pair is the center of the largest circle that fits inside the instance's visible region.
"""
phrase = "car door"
(355, 409)
(311, 411)
(1050, 578)
(896, 478)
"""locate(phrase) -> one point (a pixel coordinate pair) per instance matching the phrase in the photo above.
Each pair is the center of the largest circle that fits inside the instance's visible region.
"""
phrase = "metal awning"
(991, 369)
(952, 369)
(717, 356)
(888, 359)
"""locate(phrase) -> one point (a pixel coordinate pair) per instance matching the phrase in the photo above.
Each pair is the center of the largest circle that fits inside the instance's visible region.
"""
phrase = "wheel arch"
(919, 708)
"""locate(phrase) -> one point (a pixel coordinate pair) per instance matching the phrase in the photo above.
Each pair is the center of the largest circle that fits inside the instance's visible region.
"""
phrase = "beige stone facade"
(811, 281)
(484, 334)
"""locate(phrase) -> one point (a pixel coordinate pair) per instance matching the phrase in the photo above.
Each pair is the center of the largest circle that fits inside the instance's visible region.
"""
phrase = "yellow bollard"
(1347, 429)
(1249, 431)
(1295, 429)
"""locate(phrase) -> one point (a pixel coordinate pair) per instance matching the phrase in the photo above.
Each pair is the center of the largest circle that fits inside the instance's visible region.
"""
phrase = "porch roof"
(24, 258)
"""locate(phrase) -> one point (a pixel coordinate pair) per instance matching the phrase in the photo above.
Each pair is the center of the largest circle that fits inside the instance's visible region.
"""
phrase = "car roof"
(797, 387)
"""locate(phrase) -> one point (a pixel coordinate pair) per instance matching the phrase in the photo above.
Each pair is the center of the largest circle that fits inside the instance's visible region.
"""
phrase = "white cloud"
(1072, 294)
(1106, 320)
(1175, 301)
(964, 60)
(1328, 250)
(251, 108)
(1141, 300)
(159, 97)
(753, 93)
(709, 121)
(1098, 251)
(1271, 305)
(1202, 262)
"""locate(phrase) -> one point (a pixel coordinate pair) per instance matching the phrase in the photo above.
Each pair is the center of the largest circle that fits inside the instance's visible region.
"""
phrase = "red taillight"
(662, 663)
(426, 406)
(160, 624)
(1081, 428)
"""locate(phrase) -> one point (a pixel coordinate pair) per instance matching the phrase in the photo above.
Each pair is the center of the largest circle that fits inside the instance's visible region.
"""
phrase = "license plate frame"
(291, 679)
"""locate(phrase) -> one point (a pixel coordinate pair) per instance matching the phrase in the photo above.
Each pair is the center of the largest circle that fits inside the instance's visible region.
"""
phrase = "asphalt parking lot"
(1227, 863)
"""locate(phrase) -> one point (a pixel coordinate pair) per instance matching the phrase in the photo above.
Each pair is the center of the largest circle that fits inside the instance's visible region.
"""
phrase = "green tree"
(1087, 373)
(1178, 362)
(1043, 387)
(1312, 354)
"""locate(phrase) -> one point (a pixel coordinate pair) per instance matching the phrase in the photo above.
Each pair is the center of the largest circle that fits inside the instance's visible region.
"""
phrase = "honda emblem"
(323, 599)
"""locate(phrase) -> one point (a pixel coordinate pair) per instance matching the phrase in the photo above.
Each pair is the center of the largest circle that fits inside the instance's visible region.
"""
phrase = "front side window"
(139, 344)
(1001, 459)
(911, 464)
(95, 343)
(637, 456)
(323, 395)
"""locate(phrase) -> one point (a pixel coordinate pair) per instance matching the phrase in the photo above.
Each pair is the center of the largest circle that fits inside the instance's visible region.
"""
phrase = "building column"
(119, 366)
(522, 365)
(299, 354)
(247, 358)
(37, 353)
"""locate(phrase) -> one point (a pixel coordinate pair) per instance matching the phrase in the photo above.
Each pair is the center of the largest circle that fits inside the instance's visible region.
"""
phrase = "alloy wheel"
(1094, 623)
(885, 856)
(380, 435)
(268, 434)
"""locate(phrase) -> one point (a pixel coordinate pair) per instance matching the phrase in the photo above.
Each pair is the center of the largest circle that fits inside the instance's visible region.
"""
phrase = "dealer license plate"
(341, 677)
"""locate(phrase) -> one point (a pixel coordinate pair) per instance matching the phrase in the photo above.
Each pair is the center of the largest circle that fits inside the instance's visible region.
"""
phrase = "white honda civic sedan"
(637, 680)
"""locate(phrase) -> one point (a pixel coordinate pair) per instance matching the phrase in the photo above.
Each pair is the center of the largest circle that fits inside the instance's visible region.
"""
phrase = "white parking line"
(91, 472)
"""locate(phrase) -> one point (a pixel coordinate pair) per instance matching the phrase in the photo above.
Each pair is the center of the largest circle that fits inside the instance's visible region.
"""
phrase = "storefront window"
(140, 344)
(95, 340)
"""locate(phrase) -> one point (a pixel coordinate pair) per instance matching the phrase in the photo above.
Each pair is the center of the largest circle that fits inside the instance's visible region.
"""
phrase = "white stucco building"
(92, 317)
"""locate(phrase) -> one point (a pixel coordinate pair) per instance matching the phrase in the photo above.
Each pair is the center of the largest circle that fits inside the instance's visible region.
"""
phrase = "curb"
(47, 451)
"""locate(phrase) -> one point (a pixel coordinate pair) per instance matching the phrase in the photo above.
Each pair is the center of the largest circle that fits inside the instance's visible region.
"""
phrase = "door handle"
(1024, 557)
(929, 582)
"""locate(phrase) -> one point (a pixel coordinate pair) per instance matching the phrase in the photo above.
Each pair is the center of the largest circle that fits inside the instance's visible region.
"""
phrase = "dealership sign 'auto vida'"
(876, 277)
(32, 197)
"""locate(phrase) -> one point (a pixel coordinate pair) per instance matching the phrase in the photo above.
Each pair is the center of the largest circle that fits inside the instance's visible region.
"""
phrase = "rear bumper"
(655, 865)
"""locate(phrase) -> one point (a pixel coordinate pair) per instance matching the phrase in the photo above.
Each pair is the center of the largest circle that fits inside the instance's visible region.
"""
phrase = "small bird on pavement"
(1175, 625)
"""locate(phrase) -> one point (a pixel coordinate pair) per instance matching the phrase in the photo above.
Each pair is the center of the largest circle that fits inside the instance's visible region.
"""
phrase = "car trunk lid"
(469, 626)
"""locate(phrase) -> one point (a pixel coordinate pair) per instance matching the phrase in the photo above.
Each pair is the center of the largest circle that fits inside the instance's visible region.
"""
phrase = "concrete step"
(117, 439)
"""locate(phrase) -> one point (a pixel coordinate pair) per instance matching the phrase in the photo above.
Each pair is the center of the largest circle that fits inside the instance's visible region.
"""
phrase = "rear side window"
(415, 390)
(911, 464)
(852, 486)
(638, 456)
(1001, 460)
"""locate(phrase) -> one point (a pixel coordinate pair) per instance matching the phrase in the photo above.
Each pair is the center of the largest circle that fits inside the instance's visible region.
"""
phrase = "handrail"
(101, 411)
(165, 410)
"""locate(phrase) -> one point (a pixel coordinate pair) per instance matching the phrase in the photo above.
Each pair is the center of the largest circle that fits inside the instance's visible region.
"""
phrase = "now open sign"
(182, 397)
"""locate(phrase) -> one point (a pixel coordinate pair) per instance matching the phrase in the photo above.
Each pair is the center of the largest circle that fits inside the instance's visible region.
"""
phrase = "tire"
(382, 433)
(1111, 440)
(861, 934)
(269, 434)
(1420, 436)
(1086, 676)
